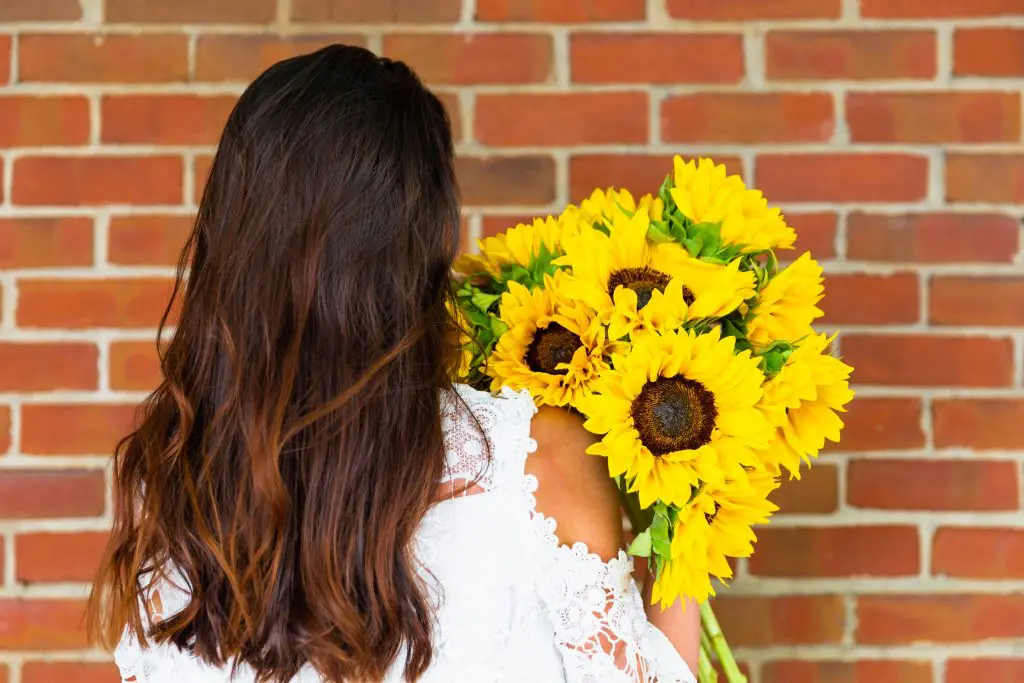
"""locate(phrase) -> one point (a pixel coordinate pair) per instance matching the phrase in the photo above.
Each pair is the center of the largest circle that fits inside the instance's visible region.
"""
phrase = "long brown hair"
(284, 463)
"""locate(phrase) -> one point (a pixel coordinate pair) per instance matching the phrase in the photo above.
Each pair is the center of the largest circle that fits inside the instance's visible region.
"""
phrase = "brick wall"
(890, 131)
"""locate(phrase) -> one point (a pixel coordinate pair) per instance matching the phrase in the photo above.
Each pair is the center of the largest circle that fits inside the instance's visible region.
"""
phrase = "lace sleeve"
(600, 626)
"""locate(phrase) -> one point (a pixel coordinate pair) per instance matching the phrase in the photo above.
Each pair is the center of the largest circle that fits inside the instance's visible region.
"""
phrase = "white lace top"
(512, 605)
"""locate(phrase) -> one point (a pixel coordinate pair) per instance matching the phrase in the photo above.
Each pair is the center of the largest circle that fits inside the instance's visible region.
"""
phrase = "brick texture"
(888, 131)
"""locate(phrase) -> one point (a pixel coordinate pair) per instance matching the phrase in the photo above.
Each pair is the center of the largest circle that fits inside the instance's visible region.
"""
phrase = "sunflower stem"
(639, 519)
(710, 626)
(705, 669)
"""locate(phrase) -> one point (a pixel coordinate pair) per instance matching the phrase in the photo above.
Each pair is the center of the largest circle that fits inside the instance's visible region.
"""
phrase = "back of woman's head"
(284, 463)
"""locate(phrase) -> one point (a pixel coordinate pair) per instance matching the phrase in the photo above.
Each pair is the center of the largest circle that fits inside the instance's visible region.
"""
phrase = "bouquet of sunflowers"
(669, 324)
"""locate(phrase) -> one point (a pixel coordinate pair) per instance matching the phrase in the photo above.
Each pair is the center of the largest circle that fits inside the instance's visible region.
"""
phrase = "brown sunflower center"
(550, 346)
(644, 281)
(674, 414)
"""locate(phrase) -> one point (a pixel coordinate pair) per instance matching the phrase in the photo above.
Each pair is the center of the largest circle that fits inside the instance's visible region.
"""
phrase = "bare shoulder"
(574, 487)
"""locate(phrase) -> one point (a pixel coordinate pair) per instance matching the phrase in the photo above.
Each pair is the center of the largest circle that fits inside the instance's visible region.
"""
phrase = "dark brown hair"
(285, 461)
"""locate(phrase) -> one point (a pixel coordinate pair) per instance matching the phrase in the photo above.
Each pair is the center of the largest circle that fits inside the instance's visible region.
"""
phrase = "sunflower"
(464, 340)
(553, 346)
(787, 305)
(637, 286)
(677, 409)
(602, 206)
(714, 526)
(802, 403)
(705, 193)
(520, 245)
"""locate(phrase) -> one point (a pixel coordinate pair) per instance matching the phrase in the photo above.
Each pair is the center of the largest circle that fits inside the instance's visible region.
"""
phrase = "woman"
(308, 497)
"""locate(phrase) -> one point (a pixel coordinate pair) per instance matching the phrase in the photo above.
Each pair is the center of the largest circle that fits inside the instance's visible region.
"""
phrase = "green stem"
(705, 670)
(639, 518)
(710, 625)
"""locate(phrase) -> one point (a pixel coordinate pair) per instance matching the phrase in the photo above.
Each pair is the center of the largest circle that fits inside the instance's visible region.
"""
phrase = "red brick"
(978, 553)
(376, 12)
(837, 551)
(561, 119)
(656, 58)
(561, 12)
(815, 232)
(201, 172)
(743, 10)
(148, 240)
(467, 58)
(842, 177)
(58, 557)
(69, 672)
(850, 55)
(988, 52)
(863, 671)
(134, 366)
(816, 492)
(988, 301)
(450, 101)
(930, 360)
(882, 424)
(32, 121)
(754, 621)
(72, 181)
(41, 10)
(639, 173)
(933, 485)
(947, 9)
(898, 619)
(45, 242)
(165, 119)
(748, 117)
(5, 59)
(231, 57)
(74, 429)
(47, 366)
(932, 237)
(80, 304)
(985, 178)
(506, 180)
(51, 494)
(81, 58)
(979, 423)
(871, 299)
(942, 117)
(41, 624)
(5, 429)
(988, 670)
(190, 12)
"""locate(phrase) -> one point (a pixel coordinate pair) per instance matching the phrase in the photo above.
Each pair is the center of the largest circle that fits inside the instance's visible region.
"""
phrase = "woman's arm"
(680, 623)
(575, 489)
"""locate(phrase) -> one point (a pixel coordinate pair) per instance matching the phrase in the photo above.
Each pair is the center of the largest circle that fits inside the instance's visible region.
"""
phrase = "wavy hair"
(283, 465)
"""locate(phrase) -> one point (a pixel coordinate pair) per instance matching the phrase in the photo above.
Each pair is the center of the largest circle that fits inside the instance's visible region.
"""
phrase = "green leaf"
(773, 362)
(478, 318)
(641, 545)
(665, 191)
(659, 232)
(484, 301)
(498, 327)
(710, 235)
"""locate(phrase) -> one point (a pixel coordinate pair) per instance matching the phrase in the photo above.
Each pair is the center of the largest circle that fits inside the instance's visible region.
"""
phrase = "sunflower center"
(674, 414)
(644, 281)
(550, 346)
